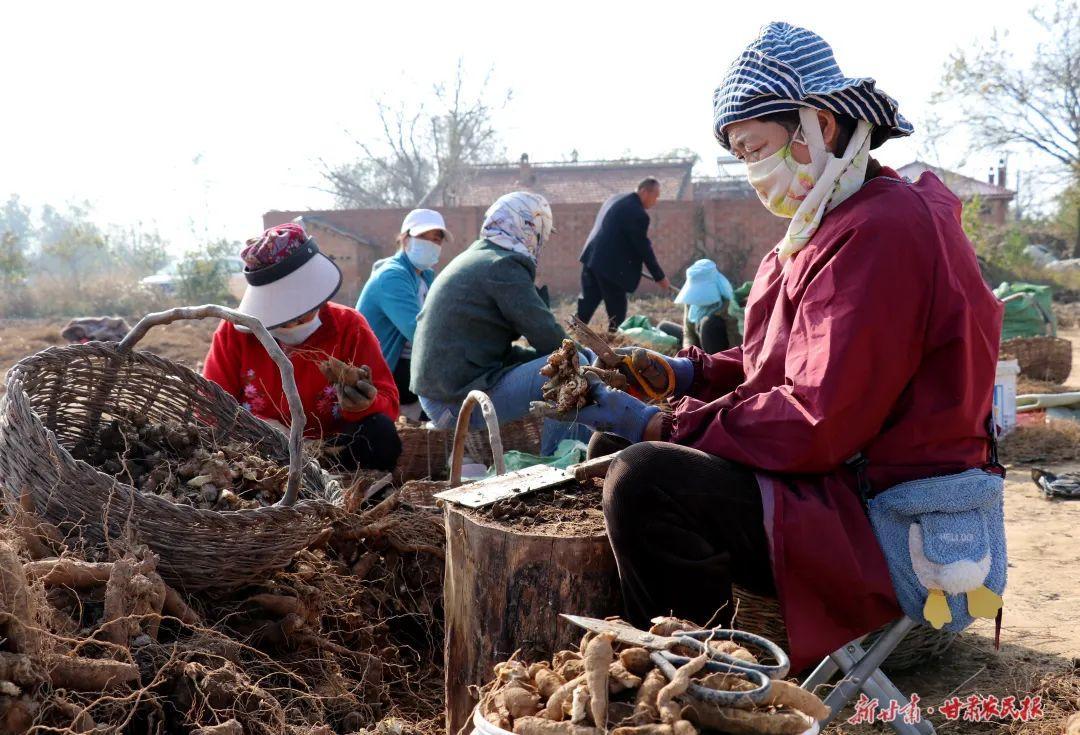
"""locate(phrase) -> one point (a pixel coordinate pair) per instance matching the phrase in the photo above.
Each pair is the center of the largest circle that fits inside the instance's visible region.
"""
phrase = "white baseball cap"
(419, 221)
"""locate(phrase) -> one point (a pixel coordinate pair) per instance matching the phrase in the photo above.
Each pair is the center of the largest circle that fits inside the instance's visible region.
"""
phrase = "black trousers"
(684, 525)
(369, 444)
(594, 289)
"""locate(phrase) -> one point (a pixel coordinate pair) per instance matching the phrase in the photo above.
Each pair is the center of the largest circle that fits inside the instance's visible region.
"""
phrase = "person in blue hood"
(392, 297)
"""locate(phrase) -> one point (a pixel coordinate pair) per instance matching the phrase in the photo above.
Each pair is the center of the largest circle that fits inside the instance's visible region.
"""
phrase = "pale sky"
(203, 115)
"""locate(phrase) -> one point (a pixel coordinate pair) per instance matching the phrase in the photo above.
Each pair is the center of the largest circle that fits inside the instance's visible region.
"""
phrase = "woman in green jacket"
(483, 302)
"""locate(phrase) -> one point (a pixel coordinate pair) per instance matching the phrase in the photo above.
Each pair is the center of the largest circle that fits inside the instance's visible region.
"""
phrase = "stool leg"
(821, 675)
(877, 686)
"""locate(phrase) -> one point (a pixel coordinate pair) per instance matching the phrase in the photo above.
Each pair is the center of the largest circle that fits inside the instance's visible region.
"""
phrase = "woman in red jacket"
(869, 331)
(290, 284)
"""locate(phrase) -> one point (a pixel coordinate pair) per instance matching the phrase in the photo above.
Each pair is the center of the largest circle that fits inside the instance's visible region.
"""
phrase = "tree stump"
(503, 592)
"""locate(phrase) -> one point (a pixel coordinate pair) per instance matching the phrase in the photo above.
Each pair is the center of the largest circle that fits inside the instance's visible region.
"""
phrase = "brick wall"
(735, 232)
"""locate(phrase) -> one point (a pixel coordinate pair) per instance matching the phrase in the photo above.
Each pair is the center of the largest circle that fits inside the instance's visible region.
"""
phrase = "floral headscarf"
(520, 221)
(839, 178)
(273, 246)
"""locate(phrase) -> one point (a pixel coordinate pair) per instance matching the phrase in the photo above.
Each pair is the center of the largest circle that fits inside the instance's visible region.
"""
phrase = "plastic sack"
(1029, 316)
(568, 452)
(640, 329)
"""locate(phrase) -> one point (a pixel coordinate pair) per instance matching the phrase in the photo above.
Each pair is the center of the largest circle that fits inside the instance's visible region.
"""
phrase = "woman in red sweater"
(290, 284)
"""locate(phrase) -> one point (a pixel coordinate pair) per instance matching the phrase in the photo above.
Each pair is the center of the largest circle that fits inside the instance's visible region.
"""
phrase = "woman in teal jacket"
(393, 295)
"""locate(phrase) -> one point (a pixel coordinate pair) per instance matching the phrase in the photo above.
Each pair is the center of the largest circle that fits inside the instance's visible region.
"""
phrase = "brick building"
(736, 233)
(565, 182)
(720, 218)
(992, 195)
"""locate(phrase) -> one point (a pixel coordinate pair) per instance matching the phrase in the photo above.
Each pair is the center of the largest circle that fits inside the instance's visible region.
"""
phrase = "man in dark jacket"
(617, 249)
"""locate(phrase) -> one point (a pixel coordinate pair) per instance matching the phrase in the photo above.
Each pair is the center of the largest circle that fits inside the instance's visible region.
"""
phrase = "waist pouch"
(944, 542)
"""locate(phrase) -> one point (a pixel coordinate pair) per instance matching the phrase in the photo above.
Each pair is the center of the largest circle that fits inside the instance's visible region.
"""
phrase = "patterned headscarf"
(520, 221)
(273, 246)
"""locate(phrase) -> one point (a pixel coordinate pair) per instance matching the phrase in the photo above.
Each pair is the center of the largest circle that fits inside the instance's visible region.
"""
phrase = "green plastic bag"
(568, 452)
(640, 330)
(1031, 314)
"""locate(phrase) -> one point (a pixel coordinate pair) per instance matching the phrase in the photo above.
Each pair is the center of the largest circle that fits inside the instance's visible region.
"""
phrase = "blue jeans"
(511, 397)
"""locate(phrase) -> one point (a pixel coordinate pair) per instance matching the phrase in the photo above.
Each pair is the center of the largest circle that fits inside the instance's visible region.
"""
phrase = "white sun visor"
(304, 281)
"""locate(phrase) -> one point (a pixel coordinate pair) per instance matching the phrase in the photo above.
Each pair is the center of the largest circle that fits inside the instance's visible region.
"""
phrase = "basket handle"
(288, 382)
(474, 398)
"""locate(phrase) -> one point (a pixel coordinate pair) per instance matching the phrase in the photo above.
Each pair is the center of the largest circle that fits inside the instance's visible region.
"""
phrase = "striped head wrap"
(786, 68)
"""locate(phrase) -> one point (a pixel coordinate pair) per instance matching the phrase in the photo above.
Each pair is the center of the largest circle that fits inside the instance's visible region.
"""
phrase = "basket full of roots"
(115, 442)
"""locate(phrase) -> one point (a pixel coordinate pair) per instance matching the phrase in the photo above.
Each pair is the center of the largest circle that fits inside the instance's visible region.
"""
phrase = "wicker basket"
(425, 453)
(761, 615)
(1040, 358)
(62, 395)
(421, 493)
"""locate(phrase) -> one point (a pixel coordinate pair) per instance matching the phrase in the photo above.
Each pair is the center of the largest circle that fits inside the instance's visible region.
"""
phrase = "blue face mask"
(423, 254)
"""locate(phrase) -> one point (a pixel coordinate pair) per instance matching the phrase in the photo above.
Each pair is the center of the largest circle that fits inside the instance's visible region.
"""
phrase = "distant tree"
(72, 245)
(1037, 108)
(202, 275)
(140, 249)
(16, 233)
(419, 148)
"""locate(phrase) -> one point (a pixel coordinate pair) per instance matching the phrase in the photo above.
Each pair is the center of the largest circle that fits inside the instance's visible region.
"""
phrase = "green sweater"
(482, 302)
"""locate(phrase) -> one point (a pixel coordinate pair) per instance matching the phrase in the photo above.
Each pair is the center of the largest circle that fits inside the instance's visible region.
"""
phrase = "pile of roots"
(610, 687)
(178, 462)
(347, 639)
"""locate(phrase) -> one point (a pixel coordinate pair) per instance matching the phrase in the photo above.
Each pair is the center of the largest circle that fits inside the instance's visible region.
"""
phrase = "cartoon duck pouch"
(944, 541)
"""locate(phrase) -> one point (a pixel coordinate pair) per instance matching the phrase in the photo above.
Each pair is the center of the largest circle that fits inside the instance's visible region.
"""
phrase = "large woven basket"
(62, 395)
(758, 614)
(425, 453)
(1040, 358)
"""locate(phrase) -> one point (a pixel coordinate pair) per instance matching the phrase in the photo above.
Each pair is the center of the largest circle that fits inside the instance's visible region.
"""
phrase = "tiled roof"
(723, 187)
(568, 182)
(964, 187)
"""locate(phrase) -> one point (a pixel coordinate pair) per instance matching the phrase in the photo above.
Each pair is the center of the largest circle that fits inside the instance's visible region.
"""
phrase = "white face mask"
(782, 182)
(298, 334)
(423, 254)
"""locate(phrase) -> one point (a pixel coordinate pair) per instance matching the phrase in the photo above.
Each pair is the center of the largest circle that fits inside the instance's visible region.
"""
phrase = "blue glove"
(616, 412)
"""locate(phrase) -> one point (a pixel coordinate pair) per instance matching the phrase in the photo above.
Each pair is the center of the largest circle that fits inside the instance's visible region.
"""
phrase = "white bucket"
(1005, 395)
(483, 727)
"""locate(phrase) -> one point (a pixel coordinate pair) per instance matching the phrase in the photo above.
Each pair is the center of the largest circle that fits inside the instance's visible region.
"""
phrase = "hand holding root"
(352, 384)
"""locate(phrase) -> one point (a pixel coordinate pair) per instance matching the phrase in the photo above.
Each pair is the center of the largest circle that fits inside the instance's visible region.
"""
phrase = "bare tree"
(420, 149)
(1038, 108)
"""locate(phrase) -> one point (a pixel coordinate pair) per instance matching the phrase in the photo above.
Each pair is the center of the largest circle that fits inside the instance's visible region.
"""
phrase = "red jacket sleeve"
(715, 375)
(362, 348)
(222, 361)
(855, 343)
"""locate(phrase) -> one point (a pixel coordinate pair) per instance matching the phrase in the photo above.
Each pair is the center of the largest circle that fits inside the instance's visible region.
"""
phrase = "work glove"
(356, 398)
(652, 368)
(615, 412)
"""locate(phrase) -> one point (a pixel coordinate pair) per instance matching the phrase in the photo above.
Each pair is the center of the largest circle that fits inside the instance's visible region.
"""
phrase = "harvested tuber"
(542, 726)
(338, 372)
(645, 703)
(670, 710)
(747, 722)
(579, 704)
(619, 679)
(636, 660)
(556, 704)
(520, 702)
(790, 695)
(655, 728)
(547, 682)
(598, 657)
(668, 626)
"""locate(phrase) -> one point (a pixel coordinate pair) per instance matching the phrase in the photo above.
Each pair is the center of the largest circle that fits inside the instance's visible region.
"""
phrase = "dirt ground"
(1040, 652)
